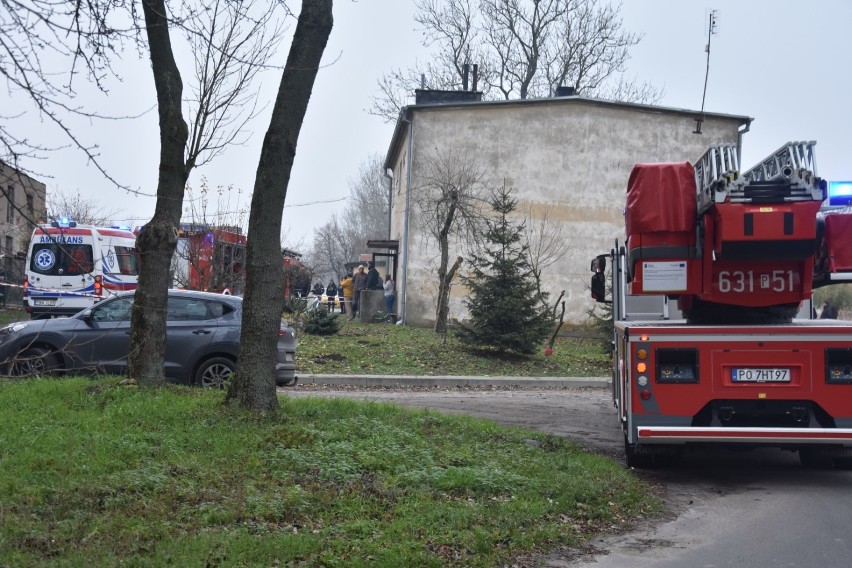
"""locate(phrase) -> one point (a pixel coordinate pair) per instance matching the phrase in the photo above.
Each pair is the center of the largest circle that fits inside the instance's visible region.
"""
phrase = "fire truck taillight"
(838, 365)
(99, 286)
(645, 394)
(26, 286)
(642, 354)
(641, 367)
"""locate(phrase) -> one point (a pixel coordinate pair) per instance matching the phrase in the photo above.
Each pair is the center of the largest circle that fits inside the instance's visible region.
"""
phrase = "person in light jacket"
(390, 296)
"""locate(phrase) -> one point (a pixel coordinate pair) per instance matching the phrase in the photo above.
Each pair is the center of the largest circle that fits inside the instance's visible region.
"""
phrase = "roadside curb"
(453, 381)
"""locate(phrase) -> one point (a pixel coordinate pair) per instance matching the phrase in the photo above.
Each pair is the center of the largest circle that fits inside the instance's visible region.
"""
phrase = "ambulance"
(71, 266)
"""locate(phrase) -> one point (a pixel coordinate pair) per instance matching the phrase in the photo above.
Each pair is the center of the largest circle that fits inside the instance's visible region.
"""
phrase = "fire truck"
(713, 334)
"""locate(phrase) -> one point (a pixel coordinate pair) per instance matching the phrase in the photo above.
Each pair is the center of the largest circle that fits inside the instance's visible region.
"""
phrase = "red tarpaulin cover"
(838, 236)
(661, 197)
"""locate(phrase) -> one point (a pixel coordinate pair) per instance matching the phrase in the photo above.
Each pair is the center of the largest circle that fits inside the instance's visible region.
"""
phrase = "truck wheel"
(215, 373)
(813, 458)
(638, 459)
(34, 362)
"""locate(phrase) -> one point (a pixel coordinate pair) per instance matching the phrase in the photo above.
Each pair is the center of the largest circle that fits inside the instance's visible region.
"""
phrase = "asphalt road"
(724, 509)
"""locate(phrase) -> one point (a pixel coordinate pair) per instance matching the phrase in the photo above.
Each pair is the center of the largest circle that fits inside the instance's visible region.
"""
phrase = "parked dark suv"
(202, 341)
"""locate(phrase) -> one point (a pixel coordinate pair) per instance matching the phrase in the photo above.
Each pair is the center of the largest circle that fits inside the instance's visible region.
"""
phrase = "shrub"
(320, 322)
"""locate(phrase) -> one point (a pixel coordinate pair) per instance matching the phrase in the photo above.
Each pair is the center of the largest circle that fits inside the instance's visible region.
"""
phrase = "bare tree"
(449, 200)
(365, 217)
(545, 241)
(253, 386)
(241, 41)
(80, 209)
(45, 48)
(524, 48)
(333, 247)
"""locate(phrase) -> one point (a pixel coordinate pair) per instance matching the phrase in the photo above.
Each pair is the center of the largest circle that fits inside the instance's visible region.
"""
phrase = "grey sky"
(788, 65)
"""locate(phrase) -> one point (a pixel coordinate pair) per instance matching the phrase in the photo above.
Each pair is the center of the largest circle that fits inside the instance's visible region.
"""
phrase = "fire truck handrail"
(676, 434)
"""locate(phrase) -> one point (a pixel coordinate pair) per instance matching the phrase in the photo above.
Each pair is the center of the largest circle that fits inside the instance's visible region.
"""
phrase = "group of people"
(349, 290)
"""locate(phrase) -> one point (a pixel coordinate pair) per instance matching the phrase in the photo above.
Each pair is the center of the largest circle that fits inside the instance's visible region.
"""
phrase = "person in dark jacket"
(331, 292)
(374, 281)
(828, 312)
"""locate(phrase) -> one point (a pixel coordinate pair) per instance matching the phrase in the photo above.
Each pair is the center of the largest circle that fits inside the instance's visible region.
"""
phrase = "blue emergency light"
(840, 193)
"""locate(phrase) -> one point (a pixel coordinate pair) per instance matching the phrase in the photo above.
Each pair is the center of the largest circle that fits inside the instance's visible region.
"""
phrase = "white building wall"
(571, 160)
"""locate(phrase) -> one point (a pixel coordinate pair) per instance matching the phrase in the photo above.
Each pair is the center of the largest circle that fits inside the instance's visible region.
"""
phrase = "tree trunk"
(443, 310)
(156, 243)
(253, 386)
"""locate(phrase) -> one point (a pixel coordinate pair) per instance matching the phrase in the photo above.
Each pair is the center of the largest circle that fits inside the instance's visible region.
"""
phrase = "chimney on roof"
(475, 76)
(465, 71)
(565, 91)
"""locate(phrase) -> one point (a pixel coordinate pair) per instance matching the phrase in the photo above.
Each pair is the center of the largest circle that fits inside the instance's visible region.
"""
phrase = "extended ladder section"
(788, 174)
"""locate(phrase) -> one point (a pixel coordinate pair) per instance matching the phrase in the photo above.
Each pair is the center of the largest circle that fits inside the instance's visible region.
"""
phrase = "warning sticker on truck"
(664, 276)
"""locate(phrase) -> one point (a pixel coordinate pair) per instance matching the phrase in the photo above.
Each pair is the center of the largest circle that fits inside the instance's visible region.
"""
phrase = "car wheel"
(34, 362)
(215, 373)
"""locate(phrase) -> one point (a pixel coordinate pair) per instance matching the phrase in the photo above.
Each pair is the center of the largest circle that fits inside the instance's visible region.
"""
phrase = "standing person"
(340, 297)
(317, 289)
(389, 294)
(331, 292)
(347, 286)
(359, 283)
(828, 312)
(374, 281)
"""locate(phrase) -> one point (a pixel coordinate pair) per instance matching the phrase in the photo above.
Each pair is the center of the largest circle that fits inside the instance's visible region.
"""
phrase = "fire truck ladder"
(788, 174)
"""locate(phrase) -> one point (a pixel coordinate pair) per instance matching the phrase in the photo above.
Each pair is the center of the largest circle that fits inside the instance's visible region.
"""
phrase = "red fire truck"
(714, 339)
(210, 258)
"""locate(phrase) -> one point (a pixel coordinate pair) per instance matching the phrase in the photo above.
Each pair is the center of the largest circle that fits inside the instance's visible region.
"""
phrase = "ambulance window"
(77, 259)
(126, 257)
(54, 259)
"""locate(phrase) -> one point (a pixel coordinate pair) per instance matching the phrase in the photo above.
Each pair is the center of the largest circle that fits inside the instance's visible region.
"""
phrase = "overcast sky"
(786, 64)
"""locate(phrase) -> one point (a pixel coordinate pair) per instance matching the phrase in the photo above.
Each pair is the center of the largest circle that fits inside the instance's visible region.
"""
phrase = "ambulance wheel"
(34, 362)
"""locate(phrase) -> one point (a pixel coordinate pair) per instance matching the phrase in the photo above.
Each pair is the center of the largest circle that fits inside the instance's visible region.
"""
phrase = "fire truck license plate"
(753, 375)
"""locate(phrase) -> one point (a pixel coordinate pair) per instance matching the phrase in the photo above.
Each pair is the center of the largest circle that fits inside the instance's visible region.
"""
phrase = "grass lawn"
(383, 349)
(96, 473)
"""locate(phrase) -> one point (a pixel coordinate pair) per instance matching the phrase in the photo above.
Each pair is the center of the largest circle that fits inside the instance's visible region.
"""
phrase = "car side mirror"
(87, 316)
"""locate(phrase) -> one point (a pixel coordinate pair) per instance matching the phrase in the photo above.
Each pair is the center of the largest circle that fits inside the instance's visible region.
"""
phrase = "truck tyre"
(637, 459)
(813, 458)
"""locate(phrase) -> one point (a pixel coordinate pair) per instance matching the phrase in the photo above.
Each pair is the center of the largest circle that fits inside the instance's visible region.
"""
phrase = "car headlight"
(14, 327)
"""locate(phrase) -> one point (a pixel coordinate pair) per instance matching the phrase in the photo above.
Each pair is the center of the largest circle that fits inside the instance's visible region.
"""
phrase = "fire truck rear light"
(641, 367)
(99, 286)
(645, 394)
(838, 365)
(642, 381)
(676, 365)
(26, 286)
(642, 354)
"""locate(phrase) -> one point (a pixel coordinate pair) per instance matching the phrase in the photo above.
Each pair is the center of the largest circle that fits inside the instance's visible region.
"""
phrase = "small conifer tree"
(319, 321)
(507, 312)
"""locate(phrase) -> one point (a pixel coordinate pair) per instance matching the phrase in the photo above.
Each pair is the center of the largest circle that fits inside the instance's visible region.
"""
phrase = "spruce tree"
(507, 313)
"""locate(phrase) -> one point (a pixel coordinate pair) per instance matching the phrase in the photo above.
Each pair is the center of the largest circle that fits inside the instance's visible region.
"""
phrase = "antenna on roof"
(711, 31)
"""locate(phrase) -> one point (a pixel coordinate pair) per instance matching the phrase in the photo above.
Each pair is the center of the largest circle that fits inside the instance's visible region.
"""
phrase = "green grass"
(382, 349)
(96, 473)
(8, 316)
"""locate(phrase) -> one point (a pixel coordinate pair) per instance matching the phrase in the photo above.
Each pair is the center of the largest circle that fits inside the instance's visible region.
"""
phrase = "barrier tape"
(63, 292)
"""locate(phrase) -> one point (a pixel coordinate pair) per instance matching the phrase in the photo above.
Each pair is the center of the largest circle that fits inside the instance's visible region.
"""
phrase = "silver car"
(202, 341)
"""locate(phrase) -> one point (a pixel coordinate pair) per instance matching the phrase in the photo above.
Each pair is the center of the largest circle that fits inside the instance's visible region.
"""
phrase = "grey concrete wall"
(567, 162)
